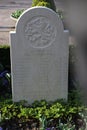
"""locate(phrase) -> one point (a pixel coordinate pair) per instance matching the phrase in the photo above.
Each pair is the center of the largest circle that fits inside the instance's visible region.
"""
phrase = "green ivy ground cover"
(45, 114)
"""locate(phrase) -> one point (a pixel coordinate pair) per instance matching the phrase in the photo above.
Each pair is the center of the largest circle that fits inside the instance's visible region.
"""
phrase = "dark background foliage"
(5, 56)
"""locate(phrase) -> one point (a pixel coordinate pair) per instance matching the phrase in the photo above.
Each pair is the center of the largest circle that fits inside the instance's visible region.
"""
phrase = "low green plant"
(49, 114)
(46, 3)
(16, 14)
(43, 123)
(74, 97)
(67, 126)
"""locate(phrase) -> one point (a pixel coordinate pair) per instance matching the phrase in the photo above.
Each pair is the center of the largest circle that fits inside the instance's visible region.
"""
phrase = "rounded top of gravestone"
(39, 26)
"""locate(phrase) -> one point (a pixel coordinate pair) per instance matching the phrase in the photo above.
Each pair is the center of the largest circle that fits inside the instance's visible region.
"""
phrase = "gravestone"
(39, 56)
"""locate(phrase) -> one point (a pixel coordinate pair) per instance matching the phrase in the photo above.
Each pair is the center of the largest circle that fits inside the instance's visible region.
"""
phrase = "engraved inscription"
(40, 32)
(20, 72)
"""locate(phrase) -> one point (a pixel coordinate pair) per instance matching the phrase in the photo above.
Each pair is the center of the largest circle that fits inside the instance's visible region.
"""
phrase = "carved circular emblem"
(40, 32)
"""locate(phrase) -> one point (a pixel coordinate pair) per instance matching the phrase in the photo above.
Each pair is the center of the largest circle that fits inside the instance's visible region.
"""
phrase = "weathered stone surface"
(39, 56)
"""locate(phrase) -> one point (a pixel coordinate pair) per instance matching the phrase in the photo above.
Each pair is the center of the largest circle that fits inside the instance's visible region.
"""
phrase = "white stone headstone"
(39, 56)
